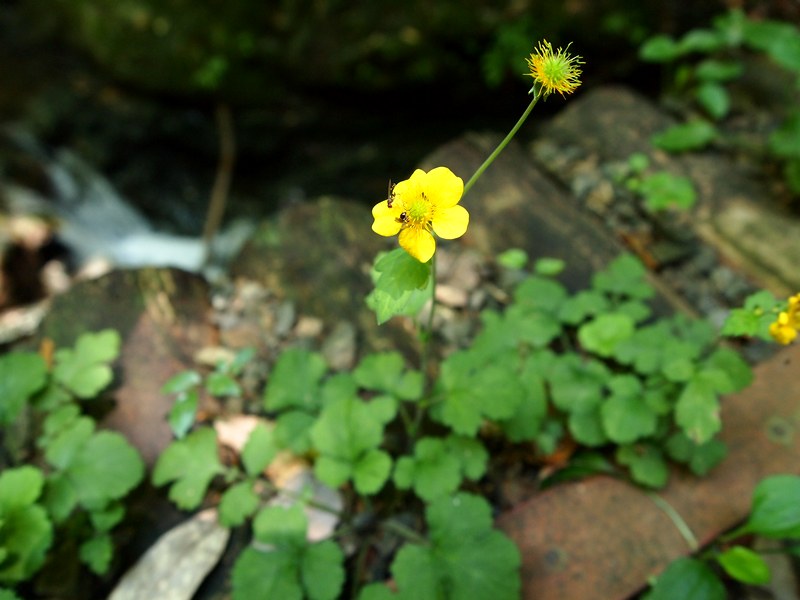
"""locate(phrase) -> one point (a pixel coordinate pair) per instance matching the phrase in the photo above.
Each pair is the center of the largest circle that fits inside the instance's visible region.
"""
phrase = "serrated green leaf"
(105, 468)
(345, 433)
(467, 558)
(259, 450)
(602, 334)
(745, 565)
(693, 135)
(61, 449)
(774, 511)
(626, 417)
(238, 503)
(646, 463)
(738, 373)
(687, 579)
(283, 527)
(697, 410)
(266, 576)
(402, 285)
(85, 370)
(371, 470)
(432, 471)
(191, 463)
(471, 392)
(97, 553)
(22, 374)
(576, 384)
(471, 454)
(294, 382)
(587, 428)
(322, 571)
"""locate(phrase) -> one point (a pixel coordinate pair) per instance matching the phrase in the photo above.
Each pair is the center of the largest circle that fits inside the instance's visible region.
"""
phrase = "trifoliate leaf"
(577, 308)
(738, 374)
(687, 579)
(294, 382)
(602, 334)
(693, 135)
(237, 504)
(259, 450)
(471, 392)
(466, 557)
(344, 433)
(774, 512)
(22, 374)
(322, 571)
(576, 384)
(526, 422)
(85, 370)
(97, 553)
(371, 471)
(433, 471)
(191, 463)
(626, 416)
(60, 449)
(471, 453)
(646, 463)
(745, 565)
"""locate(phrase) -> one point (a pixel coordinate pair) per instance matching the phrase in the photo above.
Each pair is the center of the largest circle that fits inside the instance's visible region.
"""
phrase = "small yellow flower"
(551, 72)
(423, 204)
(784, 329)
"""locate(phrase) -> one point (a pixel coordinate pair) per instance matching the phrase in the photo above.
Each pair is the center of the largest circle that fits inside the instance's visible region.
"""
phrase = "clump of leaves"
(85, 475)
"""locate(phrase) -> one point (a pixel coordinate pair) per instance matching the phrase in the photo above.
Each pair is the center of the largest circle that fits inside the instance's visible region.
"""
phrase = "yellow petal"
(386, 219)
(443, 188)
(451, 223)
(418, 242)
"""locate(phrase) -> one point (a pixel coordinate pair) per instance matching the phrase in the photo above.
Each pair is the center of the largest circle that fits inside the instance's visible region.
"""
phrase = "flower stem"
(502, 144)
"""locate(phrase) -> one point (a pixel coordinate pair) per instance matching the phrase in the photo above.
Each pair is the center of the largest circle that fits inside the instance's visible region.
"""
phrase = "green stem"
(405, 531)
(677, 520)
(502, 144)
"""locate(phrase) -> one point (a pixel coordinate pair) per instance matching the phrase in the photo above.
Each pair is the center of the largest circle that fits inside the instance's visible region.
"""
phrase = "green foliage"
(292, 568)
(465, 559)
(774, 511)
(26, 531)
(22, 374)
(745, 565)
(707, 61)
(88, 473)
(191, 464)
(402, 285)
(663, 191)
(760, 309)
(689, 579)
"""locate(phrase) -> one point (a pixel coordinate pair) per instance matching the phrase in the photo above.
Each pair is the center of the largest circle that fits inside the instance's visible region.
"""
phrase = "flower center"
(420, 211)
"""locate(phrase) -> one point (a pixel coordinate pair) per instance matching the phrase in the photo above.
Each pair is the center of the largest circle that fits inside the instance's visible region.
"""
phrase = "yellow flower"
(784, 329)
(423, 204)
(551, 72)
